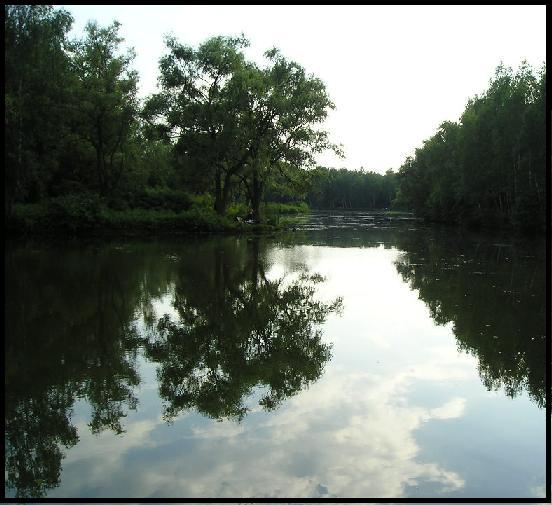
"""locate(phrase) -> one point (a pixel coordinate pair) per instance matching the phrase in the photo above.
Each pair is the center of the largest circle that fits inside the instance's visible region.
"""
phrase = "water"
(359, 356)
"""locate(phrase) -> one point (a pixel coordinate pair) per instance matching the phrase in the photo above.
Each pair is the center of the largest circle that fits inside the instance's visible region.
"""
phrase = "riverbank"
(89, 217)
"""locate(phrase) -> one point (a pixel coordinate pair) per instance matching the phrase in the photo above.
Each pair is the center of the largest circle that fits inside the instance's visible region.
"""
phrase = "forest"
(226, 143)
(489, 168)
(221, 137)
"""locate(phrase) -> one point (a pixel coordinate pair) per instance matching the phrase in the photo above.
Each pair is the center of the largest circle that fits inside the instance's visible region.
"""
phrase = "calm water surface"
(355, 357)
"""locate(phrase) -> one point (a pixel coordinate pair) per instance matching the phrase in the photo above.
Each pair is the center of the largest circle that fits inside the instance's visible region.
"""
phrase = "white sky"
(394, 72)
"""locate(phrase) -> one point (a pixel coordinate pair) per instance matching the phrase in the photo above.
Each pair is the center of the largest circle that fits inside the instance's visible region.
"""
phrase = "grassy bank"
(91, 215)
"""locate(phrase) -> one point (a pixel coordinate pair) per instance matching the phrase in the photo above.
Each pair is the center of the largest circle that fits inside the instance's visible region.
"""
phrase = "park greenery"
(226, 143)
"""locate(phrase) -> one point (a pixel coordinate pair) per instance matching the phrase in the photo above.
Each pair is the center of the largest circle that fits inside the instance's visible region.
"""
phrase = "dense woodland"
(225, 140)
(351, 189)
(489, 168)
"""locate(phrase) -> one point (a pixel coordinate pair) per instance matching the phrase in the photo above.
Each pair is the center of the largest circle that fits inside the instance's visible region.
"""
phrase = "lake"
(357, 356)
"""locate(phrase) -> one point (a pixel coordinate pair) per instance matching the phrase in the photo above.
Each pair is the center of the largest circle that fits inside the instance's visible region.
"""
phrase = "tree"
(196, 109)
(107, 100)
(235, 121)
(489, 168)
(37, 77)
(351, 189)
(283, 108)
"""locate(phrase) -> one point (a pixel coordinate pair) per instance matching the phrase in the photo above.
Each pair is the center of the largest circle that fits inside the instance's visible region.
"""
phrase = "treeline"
(489, 168)
(223, 136)
(79, 143)
(71, 108)
(347, 189)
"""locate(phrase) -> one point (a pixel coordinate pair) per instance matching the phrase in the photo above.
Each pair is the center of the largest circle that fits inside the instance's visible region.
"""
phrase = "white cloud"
(302, 450)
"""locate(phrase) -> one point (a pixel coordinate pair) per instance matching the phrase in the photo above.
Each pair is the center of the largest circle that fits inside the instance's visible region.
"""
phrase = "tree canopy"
(235, 122)
(489, 168)
(223, 137)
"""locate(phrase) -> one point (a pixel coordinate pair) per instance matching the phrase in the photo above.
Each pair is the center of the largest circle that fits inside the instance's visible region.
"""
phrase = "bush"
(286, 208)
(75, 211)
(194, 219)
(204, 201)
(28, 216)
(85, 211)
(237, 210)
(162, 198)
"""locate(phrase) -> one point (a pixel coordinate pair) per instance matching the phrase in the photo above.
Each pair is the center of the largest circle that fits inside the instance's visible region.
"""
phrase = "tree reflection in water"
(71, 334)
(74, 329)
(238, 330)
(495, 296)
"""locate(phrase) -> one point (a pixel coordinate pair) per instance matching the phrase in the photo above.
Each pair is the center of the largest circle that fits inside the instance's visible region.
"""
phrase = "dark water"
(358, 356)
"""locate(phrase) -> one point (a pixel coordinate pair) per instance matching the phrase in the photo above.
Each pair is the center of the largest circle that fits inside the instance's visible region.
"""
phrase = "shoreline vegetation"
(489, 168)
(229, 145)
(93, 218)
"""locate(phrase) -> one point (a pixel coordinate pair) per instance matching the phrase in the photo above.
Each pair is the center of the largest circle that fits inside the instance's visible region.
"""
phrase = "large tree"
(235, 121)
(107, 88)
(281, 120)
(196, 109)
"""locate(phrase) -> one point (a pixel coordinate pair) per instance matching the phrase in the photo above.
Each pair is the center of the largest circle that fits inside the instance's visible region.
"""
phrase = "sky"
(395, 73)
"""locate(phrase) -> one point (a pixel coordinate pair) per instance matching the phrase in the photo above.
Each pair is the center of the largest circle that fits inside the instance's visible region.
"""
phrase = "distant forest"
(225, 140)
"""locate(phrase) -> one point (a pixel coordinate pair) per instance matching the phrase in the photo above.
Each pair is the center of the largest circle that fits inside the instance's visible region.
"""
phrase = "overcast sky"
(394, 72)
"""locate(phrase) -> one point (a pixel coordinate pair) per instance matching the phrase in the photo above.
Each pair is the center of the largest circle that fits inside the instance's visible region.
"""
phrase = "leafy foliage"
(490, 167)
(347, 189)
(244, 133)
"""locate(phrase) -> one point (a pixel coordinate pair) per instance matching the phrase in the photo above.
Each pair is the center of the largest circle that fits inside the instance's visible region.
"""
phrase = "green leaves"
(488, 169)
(235, 120)
(37, 85)
(106, 90)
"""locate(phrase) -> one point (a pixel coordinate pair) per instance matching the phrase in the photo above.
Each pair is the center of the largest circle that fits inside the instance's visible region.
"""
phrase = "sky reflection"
(399, 411)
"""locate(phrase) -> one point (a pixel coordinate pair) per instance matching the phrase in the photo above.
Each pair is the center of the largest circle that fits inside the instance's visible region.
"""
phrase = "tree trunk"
(222, 191)
(100, 158)
(219, 208)
(225, 200)
(256, 196)
(100, 169)
(20, 125)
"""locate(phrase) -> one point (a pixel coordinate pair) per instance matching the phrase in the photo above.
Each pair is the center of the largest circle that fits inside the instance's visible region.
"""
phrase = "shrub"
(286, 208)
(162, 198)
(205, 201)
(75, 211)
(84, 212)
(237, 210)
(28, 216)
